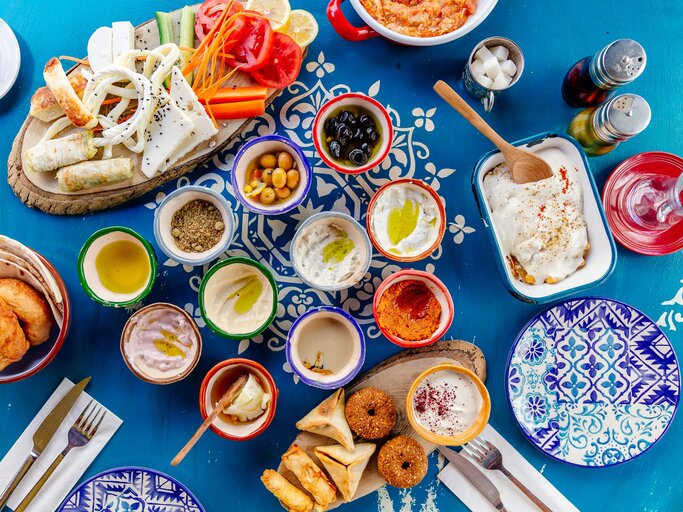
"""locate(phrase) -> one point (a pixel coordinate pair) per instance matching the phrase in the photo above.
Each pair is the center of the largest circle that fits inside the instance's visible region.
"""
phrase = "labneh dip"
(251, 402)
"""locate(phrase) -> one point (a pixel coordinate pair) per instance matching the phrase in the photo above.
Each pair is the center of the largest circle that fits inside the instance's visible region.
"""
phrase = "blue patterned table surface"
(432, 143)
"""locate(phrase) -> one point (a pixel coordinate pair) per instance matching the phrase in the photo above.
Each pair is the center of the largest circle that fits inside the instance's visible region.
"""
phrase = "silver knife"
(475, 477)
(43, 436)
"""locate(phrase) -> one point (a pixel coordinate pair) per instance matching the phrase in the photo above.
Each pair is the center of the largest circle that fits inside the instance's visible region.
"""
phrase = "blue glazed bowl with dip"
(238, 298)
(163, 231)
(326, 347)
(117, 267)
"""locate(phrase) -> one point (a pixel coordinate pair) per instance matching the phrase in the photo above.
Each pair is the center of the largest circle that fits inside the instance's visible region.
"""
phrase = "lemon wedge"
(277, 11)
(256, 191)
(302, 27)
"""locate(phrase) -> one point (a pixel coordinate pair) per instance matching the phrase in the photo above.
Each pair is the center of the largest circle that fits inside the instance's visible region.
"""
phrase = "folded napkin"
(70, 470)
(513, 499)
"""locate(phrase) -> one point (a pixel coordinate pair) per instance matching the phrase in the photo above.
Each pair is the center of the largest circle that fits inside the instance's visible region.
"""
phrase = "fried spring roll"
(87, 175)
(310, 475)
(290, 497)
(50, 155)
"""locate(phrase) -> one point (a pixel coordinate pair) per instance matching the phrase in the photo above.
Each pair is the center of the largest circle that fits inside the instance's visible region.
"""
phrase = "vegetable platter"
(147, 105)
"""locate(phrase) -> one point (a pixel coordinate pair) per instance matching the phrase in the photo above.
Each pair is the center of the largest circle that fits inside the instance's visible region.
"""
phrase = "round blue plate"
(592, 382)
(131, 489)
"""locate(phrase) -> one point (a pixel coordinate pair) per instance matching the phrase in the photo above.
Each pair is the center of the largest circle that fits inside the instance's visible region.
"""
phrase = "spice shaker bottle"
(600, 129)
(592, 80)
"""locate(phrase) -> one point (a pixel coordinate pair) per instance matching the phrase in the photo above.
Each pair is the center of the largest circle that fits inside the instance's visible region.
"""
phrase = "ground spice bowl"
(477, 426)
(439, 290)
(176, 200)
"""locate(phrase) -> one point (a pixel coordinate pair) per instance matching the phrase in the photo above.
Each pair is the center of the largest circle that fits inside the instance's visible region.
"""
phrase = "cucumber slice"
(165, 26)
(186, 37)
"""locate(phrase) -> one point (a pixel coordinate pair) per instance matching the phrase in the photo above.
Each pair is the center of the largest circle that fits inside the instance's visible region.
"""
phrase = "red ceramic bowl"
(440, 292)
(40, 356)
(353, 99)
(224, 428)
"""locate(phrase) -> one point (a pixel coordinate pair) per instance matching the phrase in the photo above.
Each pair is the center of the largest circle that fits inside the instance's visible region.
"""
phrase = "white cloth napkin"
(70, 470)
(513, 499)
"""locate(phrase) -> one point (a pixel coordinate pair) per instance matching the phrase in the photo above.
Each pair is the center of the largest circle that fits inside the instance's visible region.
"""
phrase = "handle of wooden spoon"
(455, 100)
(225, 401)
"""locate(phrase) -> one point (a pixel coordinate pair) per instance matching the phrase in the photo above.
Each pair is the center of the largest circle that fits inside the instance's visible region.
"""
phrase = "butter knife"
(475, 477)
(43, 435)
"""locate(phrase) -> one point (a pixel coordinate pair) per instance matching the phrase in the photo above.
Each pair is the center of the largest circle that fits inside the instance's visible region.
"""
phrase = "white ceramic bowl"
(176, 200)
(602, 256)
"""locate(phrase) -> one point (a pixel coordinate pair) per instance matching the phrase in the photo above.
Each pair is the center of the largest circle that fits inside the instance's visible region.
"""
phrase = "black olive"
(344, 116)
(358, 157)
(366, 148)
(358, 135)
(335, 149)
(331, 125)
(366, 121)
(352, 119)
(344, 134)
(372, 134)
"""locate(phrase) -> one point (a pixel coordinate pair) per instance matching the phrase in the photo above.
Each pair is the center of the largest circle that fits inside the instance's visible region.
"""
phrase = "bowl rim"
(125, 335)
(305, 166)
(218, 249)
(270, 413)
(224, 263)
(152, 264)
(473, 431)
(493, 239)
(442, 213)
(63, 328)
(362, 98)
(361, 338)
(315, 218)
(439, 333)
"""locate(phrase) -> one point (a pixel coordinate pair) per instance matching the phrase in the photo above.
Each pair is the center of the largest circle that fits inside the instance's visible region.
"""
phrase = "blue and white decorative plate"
(131, 489)
(592, 382)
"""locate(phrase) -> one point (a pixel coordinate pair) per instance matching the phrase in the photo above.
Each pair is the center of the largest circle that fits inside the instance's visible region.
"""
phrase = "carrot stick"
(238, 110)
(230, 95)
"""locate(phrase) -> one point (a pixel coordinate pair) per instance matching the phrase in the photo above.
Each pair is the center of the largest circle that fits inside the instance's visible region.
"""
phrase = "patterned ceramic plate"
(131, 489)
(593, 382)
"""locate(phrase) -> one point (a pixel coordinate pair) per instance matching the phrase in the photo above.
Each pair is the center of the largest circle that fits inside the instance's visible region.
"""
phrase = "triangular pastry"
(345, 467)
(328, 420)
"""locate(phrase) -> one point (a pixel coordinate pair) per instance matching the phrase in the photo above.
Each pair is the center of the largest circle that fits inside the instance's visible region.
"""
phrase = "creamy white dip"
(540, 224)
(238, 299)
(405, 220)
(250, 403)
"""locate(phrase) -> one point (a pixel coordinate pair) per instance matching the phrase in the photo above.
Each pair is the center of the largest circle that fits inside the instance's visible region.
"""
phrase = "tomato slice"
(284, 64)
(253, 50)
(208, 15)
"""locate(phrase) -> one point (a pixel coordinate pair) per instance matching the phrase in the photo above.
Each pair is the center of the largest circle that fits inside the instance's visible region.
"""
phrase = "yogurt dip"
(405, 220)
(237, 298)
(540, 225)
(251, 402)
(447, 403)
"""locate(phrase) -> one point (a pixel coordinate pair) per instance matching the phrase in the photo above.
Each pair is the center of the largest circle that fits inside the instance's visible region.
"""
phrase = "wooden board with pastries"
(394, 376)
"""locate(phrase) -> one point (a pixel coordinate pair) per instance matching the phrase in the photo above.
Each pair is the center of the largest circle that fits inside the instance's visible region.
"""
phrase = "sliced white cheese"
(100, 48)
(186, 99)
(123, 39)
(170, 127)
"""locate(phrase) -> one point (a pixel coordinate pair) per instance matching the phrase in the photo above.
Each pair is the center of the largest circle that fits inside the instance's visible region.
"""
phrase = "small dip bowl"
(475, 427)
(218, 381)
(89, 275)
(244, 163)
(376, 110)
(174, 202)
(214, 285)
(152, 313)
(299, 249)
(417, 185)
(336, 336)
(441, 294)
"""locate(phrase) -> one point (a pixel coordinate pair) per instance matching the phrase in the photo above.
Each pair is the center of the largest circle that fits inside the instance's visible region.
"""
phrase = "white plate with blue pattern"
(593, 382)
(131, 489)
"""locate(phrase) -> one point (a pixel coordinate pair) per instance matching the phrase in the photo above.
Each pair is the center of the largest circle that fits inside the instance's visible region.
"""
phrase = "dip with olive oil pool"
(123, 267)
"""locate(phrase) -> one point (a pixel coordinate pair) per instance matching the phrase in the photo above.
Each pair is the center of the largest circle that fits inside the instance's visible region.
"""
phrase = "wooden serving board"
(395, 376)
(40, 190)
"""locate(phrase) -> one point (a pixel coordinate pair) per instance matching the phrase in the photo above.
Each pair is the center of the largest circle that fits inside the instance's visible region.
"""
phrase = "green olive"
(268, 161)
(292, 178)
(267, 177)
(267, 196)
(285, 161)
(282, 193)
(279, 178)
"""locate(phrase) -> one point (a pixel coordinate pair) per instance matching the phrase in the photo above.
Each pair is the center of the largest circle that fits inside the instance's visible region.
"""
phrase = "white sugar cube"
(491, 67)
(508, 67)
(483, 53)
(484, 80)
(501, 81)
(477, 67)
(500, 52)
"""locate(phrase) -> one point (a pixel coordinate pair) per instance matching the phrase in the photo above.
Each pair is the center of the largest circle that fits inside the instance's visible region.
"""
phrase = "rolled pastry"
(310, 475)
(92, 174)
(290, 497)
(50, 155)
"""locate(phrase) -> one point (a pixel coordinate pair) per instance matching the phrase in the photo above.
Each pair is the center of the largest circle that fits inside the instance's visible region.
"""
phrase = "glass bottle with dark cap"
(592, 80)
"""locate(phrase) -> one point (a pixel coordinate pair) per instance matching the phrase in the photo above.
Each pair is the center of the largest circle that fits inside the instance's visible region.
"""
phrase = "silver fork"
(80, 434)
(489, 457)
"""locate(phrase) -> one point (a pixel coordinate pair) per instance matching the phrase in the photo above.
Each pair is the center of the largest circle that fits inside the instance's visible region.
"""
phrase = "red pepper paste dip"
(409, 310)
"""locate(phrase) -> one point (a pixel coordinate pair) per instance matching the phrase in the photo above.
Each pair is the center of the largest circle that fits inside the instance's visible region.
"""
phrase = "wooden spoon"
(224, 402)
(524, 166)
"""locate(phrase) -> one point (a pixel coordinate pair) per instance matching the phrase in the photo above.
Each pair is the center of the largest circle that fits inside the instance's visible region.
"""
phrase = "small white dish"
(10, 58)
(172, 203)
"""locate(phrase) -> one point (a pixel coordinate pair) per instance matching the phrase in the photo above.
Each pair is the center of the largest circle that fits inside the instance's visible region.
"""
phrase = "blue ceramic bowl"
(253, 150)
(343, 360)
(602, 256)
